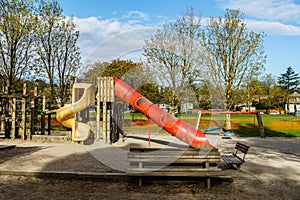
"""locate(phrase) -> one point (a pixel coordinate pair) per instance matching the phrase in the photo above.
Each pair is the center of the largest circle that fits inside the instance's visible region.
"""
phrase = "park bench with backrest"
(174, 162)
(237, 158)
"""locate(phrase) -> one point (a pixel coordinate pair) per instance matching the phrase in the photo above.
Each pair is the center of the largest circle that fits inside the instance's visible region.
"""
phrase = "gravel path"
(271, 171)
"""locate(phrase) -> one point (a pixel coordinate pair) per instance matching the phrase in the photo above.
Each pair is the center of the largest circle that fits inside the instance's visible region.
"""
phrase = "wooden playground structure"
(24, 116)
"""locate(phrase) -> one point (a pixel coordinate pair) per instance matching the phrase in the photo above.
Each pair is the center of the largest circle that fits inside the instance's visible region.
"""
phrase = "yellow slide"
(65, 115)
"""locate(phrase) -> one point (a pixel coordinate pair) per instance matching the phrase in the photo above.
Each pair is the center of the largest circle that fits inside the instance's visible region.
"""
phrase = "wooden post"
(32, 123)
(260, 125)
(34, 111)
(104, 120)
(98, 112)
(49, 124)
(43, 116)
(13, 118)
(108, 121)
(198, 120)
(23, 118)
(227, 122)
(73, 79)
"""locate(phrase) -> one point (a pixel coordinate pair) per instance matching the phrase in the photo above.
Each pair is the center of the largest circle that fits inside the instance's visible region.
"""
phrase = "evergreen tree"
(289, 80)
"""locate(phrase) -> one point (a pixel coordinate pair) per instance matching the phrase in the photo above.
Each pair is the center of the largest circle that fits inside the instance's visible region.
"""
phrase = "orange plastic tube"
(176, 127)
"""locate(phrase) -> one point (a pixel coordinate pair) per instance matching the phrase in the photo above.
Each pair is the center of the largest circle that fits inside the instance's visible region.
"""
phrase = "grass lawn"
(242, 125)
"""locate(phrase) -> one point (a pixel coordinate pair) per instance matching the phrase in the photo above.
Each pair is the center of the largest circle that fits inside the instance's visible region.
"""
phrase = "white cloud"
(273, 28)
(136, 15)
(276, 17)
(273, 10)
(107, 39)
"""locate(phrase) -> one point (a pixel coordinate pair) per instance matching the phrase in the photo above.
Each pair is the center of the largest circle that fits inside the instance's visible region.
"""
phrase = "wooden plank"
(190, 149)
(168, 169)
(163, 160)
(176, 174)
(172, 156)
(170, 151)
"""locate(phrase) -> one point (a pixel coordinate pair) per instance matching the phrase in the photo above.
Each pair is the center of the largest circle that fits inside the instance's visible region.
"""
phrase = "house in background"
(165, 107)
(186, 108)
(293, 107)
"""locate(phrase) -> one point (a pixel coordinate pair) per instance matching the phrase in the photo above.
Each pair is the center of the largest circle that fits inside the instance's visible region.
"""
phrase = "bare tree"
(17, 25)
(172, 53)
(58, 55)
(233, 55)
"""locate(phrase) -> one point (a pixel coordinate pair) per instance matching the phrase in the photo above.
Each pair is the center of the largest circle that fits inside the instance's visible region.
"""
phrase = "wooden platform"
(174, 162)
(2, 147)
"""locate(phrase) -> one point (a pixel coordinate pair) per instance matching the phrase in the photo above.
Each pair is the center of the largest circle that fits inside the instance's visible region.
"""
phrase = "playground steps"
(174, 162)
(50, 138)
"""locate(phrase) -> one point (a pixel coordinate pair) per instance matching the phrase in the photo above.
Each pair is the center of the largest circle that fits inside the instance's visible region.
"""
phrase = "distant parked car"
(274, 113)
(290, 113)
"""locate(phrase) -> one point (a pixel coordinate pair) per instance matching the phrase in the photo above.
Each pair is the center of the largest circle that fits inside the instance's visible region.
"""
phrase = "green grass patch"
(242, 125)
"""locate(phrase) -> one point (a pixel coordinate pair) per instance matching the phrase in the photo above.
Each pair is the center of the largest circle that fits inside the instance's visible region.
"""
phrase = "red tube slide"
(178, 128)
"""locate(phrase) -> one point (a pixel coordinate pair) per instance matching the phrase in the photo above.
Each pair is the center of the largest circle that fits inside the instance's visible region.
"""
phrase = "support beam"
(23, 113)
(13, 118)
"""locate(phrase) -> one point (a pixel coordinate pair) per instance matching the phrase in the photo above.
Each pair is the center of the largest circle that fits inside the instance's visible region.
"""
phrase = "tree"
(132, 73)
(251, 90)
(95, 70)
(58, 55)
(289, 82)
(232, 55)
(172, 55)
(203, 96)
(17, 26)
(271, 94)
(150, 91)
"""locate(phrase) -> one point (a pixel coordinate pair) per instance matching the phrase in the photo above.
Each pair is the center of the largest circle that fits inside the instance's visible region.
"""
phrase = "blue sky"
(111, 29)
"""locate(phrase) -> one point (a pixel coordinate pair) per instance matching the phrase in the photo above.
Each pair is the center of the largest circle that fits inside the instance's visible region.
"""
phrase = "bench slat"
(176, 174)
(173, 169)
(242, 147)
(231, 159)
(164, 160)
(171, 156)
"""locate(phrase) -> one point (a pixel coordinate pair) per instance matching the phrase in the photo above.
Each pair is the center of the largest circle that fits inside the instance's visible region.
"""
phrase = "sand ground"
(271, 171)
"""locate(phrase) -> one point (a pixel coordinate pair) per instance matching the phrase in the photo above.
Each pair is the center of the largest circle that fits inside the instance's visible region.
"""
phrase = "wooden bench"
(174, 162)
(237, 158)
